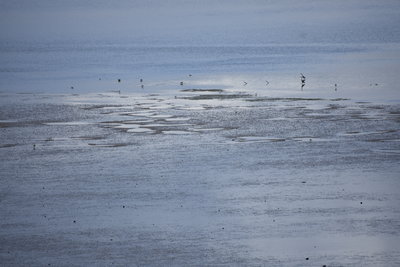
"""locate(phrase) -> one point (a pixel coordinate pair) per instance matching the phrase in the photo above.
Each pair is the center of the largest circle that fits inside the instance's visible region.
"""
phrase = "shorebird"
(141, 80)
(181, 83)
(119, 80)
(303, 78)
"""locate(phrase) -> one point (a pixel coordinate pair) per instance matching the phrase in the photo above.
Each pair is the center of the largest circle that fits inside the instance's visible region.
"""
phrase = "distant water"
(51, 46)
(360, 70)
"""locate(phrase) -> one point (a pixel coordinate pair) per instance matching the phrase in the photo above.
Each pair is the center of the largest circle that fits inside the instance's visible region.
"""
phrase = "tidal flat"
(198, 180)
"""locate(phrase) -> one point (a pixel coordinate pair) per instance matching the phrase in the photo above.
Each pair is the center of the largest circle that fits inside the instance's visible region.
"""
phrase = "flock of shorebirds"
(302, 80)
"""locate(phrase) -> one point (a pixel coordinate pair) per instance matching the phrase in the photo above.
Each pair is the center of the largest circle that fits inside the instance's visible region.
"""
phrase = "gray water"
(219, 156)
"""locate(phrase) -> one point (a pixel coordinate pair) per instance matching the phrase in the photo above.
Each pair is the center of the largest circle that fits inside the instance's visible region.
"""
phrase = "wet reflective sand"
(204, 177)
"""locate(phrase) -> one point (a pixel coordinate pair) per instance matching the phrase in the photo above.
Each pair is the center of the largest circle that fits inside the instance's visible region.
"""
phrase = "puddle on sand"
(176, 132)
(174, 119)
(141, 122)
(168, 125)
(140, 130)
(200, 130)
(161, 116)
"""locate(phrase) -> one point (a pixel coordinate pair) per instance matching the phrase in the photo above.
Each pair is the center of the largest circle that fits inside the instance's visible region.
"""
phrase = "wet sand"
(209, 177)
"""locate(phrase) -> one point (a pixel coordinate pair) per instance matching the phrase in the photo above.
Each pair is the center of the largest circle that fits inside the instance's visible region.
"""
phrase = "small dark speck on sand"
(324, 265)
(303, 182)
(123, 207)
(307, 259)
(74, 221)
(111, 239)
(361, 202)
(223, 228)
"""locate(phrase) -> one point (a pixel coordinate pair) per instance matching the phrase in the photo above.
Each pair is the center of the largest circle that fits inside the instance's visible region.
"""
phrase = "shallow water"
(362, 71)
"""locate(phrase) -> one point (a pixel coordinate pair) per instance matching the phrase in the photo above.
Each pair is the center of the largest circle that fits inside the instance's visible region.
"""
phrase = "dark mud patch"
(66, 123)
(92, 107)
(285, 99)
(7, 145)
(87, 137)
(11, 124)
(339, 99)
(378, 140)
(110, 145)
(217, 96)
(334, 107)
(256, 139)
(203, 90)
(8, 124)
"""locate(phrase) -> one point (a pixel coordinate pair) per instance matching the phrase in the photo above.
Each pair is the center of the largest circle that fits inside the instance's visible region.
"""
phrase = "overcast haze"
(201, 22)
